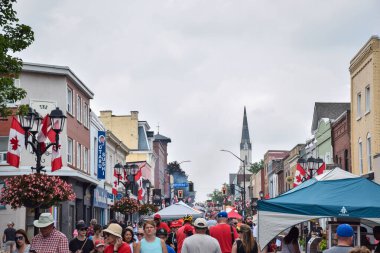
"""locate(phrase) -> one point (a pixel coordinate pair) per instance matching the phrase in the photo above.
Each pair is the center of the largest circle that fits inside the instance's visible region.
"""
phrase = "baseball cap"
(80, 226)
(344, 230)
(176, 224)
(99, 243)
(222, 214)
(161, 231)
(200, 223)
(157, 216)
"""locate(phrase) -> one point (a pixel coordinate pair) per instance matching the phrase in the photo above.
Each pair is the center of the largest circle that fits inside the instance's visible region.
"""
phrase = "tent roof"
(177, 211)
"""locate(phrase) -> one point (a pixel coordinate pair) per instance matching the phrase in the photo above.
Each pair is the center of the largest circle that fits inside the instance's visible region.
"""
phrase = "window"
(79, 153)
(69, 150)
(360, 157)
(85, 160)
(95, 158)
(70, 100)
(79, 108)
(367, 99)
(358, 105)
(369, 151)
(85, 114)
(3, 157)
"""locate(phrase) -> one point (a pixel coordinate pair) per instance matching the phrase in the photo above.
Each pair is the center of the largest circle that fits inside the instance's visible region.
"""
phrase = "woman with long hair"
(150, 243)
(245, 243)
(290, 242)
(127, 237)
(22, 242)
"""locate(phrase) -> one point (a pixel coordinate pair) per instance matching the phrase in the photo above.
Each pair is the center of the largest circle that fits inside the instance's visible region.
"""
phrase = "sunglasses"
(19, 238)
(140, 234)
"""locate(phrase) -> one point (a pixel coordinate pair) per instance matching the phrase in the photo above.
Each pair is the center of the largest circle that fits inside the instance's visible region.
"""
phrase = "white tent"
(177, 211)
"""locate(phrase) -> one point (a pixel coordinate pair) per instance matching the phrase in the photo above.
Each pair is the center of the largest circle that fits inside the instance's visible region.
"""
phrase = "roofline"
(57, 70)
(118, 142)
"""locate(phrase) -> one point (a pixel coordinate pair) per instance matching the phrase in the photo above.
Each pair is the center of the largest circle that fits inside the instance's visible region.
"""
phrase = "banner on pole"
(101, 155)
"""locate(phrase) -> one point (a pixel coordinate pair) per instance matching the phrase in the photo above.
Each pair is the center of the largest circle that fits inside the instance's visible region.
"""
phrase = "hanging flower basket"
(126, 206)
(148, 209)
(35, 190)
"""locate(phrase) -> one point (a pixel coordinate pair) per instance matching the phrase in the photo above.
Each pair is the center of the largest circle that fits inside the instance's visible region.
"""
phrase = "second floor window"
(369, 151)
(360, 154)
(79, 108)
(69, 151)
(70, 100)
(79, 156)
(367, 99)
(358, 105)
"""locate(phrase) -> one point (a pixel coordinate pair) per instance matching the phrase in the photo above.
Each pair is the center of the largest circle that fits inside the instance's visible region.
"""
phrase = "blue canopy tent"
(334, 194)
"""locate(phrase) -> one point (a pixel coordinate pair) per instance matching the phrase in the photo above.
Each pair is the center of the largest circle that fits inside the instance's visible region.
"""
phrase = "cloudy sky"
(192, 66)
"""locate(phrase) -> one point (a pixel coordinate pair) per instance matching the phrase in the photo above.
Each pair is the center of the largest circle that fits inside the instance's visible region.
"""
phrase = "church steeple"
(245, 143)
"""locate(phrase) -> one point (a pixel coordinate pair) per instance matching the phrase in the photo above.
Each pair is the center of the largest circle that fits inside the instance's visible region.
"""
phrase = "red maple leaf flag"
(139, 181)
(43, 133)
(321, 169)
(300, 174)
(56, 158)
(15, 144)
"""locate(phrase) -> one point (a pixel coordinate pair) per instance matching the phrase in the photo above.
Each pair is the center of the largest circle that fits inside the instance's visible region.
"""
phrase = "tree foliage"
(14, 37)
(174, 167)
(256, 167)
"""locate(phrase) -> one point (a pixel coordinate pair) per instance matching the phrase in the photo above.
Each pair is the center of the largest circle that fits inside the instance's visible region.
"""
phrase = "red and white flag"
(114, 189)
(321, 169)
(56, 158)
(43, 133)
(16, 141)
(139, 181)
(300, 174)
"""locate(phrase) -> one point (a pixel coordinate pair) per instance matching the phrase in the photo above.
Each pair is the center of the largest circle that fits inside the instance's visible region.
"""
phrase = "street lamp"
(31, 123)
(261, 194)
(129, 172)
(147, 185)
(244, 165)
(310, 166)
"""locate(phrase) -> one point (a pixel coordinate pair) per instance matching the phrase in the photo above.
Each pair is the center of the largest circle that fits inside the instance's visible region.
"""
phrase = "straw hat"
(45, 220)
(114, 229)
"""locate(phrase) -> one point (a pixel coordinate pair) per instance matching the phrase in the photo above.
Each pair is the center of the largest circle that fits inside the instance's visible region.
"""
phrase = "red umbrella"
(234, 214)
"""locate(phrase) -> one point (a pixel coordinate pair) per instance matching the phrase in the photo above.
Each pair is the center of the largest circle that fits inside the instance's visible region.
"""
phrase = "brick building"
(340, 131)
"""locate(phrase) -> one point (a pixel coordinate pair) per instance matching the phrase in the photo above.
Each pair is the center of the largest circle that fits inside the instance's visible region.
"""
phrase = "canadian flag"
(56, 158)
(114, 189)
(321, 169)
(300, 174)
(16, 140)
(139, 181)
(43, 133)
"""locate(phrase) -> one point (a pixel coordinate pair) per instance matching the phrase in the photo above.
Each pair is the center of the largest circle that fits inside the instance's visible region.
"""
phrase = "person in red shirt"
(224, 233)
(112, 236)
(183, 231)
(160, 224)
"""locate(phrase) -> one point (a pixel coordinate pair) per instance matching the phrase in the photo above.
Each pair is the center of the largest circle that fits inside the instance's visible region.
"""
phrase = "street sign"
(177, 185)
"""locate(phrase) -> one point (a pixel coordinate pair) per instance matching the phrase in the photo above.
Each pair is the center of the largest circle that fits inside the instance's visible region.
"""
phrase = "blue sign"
(110, 199)
(177, 185)
(101, 155)
(119, 196)
(100, 197)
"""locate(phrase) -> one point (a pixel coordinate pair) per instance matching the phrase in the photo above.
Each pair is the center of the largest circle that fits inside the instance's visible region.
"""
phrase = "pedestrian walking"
(90, 230)
(22, 242)
(150, 243)
(172, 237)
(163, 235)
(49, 239)
(183, 232)
(200, 242)
(224, 233)
(140, 234)
(98, 234)
(9, 237)
(376, 234)
(345, 235)
(160, 224)
(112, 236)
(291, 244)
(128, 237)
(99, 246)
(245, 243)
(81, 243)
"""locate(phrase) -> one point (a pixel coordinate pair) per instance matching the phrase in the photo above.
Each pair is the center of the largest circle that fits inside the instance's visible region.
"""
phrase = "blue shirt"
(170, 249)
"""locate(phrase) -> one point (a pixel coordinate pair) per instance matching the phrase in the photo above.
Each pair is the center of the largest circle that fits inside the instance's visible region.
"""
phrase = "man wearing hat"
(49, 240)
(163, 235)
(224, 233)
(200, 241)
(172, 237)
(345, 234)
(112, 236)
(160, 224)
(181, 235)
(81, 242)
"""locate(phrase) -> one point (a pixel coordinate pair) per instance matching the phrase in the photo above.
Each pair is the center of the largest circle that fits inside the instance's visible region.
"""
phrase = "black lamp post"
(147, 186)
(261, 195)
(129, 171)
(243, 190)
(31, 123)
(310, 166)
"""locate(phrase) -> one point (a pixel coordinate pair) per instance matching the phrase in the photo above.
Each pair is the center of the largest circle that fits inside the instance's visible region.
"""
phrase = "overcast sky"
(192, 66)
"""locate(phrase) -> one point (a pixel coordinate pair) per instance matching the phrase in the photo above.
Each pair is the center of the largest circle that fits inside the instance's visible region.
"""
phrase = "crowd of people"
(222, 235)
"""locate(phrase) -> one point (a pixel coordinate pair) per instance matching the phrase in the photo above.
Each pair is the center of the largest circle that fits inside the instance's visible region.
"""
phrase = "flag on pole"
(16, 139)
(139, 181)
(43, 133)
(321, 169)
(299, 175)
(56, 158)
